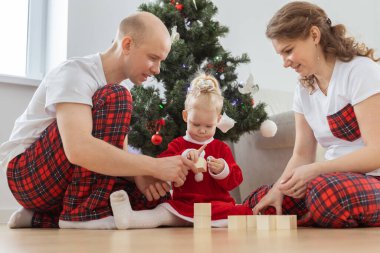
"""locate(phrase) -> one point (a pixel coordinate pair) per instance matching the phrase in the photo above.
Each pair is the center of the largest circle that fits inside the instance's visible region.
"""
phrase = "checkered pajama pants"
(42, 179)
(335, 200)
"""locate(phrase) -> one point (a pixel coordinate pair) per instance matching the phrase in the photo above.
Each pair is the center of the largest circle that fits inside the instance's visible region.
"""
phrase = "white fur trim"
(223, 174)
(188, 138)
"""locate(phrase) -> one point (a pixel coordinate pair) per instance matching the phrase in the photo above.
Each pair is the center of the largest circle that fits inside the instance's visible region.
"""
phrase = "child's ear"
(219, 118)
(184, 115)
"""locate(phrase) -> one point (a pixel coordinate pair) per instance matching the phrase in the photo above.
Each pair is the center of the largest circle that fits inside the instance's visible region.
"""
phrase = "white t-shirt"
(75, 80)
(351, 82)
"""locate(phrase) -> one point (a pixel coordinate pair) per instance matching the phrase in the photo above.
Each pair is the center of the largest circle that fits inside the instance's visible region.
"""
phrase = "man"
(65, 155)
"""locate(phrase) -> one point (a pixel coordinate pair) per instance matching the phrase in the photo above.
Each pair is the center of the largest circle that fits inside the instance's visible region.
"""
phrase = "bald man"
(67, 151)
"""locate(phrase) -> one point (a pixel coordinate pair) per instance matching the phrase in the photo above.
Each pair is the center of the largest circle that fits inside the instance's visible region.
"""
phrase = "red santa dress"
(212, 189)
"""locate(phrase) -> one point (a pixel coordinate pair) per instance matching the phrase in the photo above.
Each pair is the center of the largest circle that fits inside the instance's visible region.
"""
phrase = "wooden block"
(252, 222)
(266, 222)
(238, 222)
(286, 221)
(202, 222)
(201, 164)
(202, 209)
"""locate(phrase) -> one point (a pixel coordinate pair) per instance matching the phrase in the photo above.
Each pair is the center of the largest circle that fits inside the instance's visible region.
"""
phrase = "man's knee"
(112, 94)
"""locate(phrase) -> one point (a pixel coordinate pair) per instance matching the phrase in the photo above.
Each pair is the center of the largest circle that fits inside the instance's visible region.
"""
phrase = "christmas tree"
(157, 118)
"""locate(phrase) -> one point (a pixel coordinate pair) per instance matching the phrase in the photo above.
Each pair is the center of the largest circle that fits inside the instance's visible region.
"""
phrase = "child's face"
(201, 123)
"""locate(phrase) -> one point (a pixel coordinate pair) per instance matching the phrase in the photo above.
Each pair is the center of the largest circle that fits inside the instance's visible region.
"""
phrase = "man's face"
(144, 59)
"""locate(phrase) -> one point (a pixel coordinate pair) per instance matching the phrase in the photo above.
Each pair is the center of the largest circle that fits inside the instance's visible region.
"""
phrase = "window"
(23, 33)
(13, 28)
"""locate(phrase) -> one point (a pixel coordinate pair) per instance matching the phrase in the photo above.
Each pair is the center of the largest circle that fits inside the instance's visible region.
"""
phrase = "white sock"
(104, 223)
(126, 218)
(22, 218)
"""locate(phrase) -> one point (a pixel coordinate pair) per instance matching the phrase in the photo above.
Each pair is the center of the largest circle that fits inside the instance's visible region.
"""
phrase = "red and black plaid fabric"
(44, 180)
(336, 200)
(344, 125)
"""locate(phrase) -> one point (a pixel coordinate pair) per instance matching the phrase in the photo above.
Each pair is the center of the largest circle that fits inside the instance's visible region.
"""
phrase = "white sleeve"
(223, 174)
(363, 80)
(297, 103)
(69, 83)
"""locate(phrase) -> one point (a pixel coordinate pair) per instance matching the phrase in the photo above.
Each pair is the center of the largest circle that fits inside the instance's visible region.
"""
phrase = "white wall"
(247, 23)
(13, 101)
(92, 25)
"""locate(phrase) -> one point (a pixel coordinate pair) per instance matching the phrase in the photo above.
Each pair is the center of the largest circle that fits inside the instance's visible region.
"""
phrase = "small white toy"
(201, 165)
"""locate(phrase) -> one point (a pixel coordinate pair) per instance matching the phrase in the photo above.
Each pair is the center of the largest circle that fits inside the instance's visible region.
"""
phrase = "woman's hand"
(294, 184)
(151, 187)
(273, 198)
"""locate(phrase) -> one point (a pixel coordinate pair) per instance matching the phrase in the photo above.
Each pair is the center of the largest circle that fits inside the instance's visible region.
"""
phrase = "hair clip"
(205, 85)
(328, 21)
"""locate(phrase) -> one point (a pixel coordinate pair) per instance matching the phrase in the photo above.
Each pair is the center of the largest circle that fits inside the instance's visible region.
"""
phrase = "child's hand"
(215, 165)
(194, 154)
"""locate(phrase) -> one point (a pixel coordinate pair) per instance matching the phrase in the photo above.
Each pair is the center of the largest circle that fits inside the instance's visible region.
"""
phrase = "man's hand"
(174, 169)
(194, 154)
(151, 187)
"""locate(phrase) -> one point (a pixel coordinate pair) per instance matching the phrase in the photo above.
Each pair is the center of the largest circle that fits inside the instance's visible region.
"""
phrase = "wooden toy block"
(237, 222)
(201, 164)
(202, 209)
(202, 222)
(252, 222)
(286, 221)
(266, 222)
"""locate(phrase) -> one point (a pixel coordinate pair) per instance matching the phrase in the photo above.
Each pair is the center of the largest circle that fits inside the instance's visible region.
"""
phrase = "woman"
(336, 105)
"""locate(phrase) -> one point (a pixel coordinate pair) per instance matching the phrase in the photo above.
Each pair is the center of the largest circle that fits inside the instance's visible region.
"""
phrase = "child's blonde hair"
(204, 91)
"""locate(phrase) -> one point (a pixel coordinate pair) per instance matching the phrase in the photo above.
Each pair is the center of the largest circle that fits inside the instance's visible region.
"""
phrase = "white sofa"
(262, 159)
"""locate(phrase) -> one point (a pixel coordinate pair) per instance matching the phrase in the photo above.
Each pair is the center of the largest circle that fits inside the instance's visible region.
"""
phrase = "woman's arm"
(81, 148)
(304, 153)
(363, 160)
(305, 147)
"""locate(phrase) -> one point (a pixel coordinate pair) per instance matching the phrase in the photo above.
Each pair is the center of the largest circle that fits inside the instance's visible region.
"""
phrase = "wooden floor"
(178, 240)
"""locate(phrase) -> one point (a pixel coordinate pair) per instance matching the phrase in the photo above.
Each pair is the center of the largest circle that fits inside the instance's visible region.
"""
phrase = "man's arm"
(81, 148)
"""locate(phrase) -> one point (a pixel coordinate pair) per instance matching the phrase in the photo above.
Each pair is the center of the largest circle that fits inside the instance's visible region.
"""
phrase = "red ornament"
(253, 102)
(179, 6)
(161, 122)
(156, 139)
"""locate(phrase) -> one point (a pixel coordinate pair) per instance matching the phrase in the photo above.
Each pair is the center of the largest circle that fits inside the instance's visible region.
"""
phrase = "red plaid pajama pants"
(42, 179)
(336, 200)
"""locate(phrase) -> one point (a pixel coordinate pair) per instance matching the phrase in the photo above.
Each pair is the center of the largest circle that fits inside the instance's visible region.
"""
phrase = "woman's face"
(300, 54)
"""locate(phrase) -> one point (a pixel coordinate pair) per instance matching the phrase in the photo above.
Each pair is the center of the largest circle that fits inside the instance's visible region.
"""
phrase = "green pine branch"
(197, 49)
